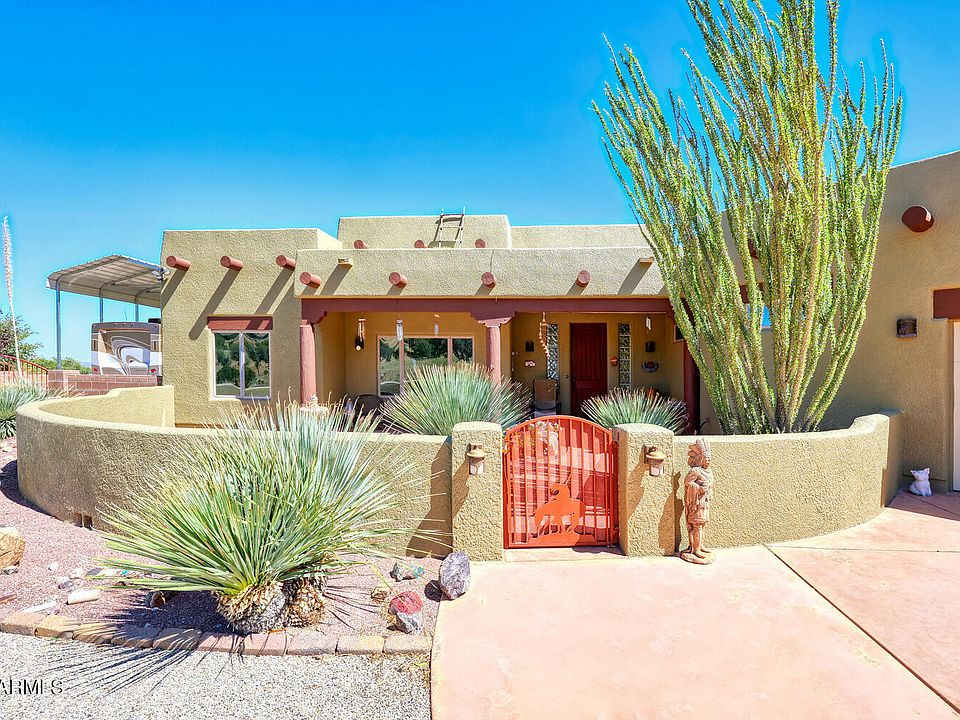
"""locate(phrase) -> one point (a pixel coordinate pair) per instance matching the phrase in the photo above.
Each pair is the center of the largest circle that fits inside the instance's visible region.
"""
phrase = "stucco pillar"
(691, 390)
(493, 347)
(477, 500)
(648, 504)
(308, 361)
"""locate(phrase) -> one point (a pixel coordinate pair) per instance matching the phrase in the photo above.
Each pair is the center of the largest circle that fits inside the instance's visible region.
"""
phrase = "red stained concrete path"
(752, 636)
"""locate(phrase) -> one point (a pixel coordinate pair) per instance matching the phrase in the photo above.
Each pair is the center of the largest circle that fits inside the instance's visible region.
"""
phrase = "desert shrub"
(261, 513)
(643, 405)
(435, 398)
(12, 396)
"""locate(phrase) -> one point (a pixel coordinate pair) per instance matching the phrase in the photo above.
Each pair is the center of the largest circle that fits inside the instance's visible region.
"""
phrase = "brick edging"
(282, 642)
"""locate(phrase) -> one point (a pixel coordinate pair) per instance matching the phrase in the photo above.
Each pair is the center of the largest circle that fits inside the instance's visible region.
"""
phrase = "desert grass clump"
(14, 395)
(435, 398)
(262, 513)
(643, 405)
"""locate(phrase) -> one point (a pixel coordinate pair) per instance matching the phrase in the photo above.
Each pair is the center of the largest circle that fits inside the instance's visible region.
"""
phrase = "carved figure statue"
(697, 494)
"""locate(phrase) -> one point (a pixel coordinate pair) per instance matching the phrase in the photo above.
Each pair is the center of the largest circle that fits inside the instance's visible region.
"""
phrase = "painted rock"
(402, 571)
(407, 608)
(455, 575)
(12, 546)
(406, 602)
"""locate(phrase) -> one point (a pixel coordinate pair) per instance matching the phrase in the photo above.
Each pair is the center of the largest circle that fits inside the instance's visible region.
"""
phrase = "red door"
(588, 362)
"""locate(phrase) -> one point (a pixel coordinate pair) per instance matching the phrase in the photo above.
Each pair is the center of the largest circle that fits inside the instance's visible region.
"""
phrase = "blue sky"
(122, 119)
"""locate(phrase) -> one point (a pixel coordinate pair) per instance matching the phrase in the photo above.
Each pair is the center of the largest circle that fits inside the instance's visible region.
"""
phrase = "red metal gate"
(559, 484)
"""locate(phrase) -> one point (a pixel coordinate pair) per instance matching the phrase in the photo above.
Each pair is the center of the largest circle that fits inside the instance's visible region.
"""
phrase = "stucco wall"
(915, 375)
(767, 488)
(81, 455)
(444, 272)
(208, 290)
(774, 488)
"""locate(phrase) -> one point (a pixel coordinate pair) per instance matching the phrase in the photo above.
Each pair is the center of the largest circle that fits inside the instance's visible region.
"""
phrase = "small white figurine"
(921, 482)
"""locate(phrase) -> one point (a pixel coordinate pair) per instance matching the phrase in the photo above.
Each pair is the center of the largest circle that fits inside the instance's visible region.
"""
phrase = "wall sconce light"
(649, 323)
(361, 334)
(436, 325)
(655, 459)
(907, 328)
(399, 330)
(475, 456)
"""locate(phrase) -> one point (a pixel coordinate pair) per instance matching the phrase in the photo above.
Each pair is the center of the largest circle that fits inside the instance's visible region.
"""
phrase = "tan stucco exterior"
(540, 264)
(79, 456)
(775, 488)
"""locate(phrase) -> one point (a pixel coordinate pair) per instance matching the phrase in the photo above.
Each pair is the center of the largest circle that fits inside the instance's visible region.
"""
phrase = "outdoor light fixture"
(475, 456)
(655, 459)
(649, 323)
(361, 334)
(399, 330)
(907, 328)
(436, 325)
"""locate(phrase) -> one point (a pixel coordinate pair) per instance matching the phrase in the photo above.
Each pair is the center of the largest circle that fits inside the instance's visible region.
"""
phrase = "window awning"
(114, 277)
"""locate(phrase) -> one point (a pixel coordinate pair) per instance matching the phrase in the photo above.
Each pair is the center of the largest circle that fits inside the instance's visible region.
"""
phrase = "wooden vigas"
(559, 484)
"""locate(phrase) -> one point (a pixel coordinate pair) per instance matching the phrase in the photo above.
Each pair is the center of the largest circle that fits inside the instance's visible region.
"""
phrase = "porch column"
(308, 361)
(493, 347)
(691, 390)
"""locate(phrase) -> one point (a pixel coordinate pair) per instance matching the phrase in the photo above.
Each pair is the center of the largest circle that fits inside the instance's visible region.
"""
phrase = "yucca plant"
(260, 514)
(12, 396)
(643, 405)
(435, 398)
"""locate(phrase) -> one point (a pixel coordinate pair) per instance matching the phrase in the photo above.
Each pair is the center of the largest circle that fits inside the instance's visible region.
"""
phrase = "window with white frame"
(396, 360)
(242, 365)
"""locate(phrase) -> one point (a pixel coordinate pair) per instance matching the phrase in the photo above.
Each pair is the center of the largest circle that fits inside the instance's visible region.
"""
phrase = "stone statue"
(697, 494)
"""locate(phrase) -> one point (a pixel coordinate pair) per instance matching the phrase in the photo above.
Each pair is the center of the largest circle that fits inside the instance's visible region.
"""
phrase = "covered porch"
(352, 347)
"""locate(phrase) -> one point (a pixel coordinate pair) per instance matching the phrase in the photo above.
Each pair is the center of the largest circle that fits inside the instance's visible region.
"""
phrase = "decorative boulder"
(455, 575)
(407, 608)
(12, 545)
(402, 571)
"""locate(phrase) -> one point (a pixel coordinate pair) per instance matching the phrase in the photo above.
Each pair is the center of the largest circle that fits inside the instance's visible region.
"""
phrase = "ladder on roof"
(449, 221)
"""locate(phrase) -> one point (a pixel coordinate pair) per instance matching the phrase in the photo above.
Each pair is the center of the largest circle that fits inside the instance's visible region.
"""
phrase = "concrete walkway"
(853, 624)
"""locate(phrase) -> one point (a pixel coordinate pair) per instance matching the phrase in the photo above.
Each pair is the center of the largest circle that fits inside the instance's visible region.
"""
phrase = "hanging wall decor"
(361, 334)
(542, 335)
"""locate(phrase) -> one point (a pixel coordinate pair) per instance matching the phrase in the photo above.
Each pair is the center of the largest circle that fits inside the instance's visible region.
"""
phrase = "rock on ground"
(455, 575)
(12, 545)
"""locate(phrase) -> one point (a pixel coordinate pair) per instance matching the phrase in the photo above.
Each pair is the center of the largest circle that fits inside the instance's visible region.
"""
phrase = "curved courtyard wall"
(767, 488)
(79, 456)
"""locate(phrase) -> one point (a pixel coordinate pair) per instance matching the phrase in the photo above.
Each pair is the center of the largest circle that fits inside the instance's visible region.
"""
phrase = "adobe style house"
(304, 313)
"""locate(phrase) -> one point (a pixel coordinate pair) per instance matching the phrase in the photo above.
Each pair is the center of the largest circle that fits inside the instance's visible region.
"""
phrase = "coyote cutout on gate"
(554, 511)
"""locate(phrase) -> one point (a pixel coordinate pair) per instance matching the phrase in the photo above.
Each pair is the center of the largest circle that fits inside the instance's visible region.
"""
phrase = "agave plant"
(12, 396)
(644, 405)
(261, 514)
(435, 398)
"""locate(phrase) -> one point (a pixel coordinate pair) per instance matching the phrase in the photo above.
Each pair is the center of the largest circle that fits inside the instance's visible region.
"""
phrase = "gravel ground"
(52, 541)
(110, 683)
